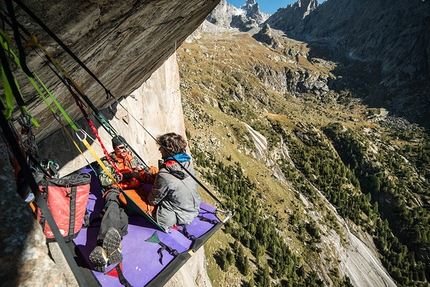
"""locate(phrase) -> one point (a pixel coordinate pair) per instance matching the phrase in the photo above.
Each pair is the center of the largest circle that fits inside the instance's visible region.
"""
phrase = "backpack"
(67, 199)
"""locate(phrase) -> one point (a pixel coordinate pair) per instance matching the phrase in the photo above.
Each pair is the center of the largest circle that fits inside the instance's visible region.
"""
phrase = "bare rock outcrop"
(244, 19)
(24, 258)
(357, 257)
(292, 16)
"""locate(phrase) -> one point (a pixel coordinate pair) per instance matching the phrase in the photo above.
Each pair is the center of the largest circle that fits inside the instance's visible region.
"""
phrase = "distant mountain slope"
(388, 40)
(397, 33)
(303, 139)
(313, 161)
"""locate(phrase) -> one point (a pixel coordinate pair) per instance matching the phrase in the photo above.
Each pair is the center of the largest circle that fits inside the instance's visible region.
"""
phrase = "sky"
(266, 6)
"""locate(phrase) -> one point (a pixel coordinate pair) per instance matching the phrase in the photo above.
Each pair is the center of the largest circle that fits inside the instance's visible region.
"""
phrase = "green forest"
(358, 191)
(331, 164)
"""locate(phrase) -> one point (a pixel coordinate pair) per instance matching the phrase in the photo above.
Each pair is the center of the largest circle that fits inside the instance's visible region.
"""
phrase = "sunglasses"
(121, 147)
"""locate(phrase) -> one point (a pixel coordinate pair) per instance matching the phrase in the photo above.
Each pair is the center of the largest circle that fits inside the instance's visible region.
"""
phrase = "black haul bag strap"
(76, 179)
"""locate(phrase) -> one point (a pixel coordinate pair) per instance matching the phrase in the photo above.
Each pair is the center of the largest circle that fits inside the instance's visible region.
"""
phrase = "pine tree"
(246, 267)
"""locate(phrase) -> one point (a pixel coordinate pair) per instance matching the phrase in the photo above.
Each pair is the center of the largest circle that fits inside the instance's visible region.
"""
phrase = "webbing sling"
(93, 128)
(82, 139)
(29, 176)
(121, 276)
(80, 105)
(75, 128)
(36, 87)
(99, 161)
(71, 123)
(9, 96)
(111, 131)
(60, 108)
(106, 125)
(155, 239)
(9, 77)
(40, 200)
(9, 88)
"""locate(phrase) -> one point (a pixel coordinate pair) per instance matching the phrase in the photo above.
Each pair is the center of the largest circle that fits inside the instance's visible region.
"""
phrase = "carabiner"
(83, 133)
(25, 120)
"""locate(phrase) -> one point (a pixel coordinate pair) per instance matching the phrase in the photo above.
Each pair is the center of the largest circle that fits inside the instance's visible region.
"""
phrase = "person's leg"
(113, 227)
(113, 216)
(109, 252)
(140, 200)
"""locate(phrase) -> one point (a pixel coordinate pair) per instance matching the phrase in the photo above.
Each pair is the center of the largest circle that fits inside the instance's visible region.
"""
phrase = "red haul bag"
(67, 199)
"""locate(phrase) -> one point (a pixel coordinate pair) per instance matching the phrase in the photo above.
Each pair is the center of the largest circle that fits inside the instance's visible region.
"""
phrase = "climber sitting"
(174, 191)
(133, 174)
(114, 222)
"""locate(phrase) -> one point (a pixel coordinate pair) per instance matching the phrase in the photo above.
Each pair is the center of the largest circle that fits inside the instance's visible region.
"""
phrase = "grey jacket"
(175, 193)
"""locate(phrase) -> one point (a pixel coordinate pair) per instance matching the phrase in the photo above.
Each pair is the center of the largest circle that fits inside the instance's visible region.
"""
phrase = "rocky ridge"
(246, 18)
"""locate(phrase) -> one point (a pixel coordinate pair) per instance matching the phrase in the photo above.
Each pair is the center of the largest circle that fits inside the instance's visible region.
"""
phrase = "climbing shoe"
(99, 258)
(112, 245)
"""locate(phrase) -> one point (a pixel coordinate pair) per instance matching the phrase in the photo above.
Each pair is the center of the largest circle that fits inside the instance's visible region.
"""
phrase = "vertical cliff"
(130, 47)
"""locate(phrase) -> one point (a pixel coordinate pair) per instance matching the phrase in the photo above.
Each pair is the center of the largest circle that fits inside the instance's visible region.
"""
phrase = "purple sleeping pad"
(142, 262)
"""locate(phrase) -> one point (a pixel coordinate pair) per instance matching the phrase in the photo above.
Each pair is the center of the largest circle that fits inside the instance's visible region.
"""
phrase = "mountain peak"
(244, 18)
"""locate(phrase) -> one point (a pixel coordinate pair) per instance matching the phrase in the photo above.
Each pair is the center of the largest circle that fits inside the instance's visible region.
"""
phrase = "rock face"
(152, 109)
(121, 43)
(265, 35)
(23, 253)
(130, 47)
(244, 19)
(293, 15)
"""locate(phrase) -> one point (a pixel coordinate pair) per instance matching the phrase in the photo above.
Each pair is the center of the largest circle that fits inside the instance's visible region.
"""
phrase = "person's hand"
(153, 170)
